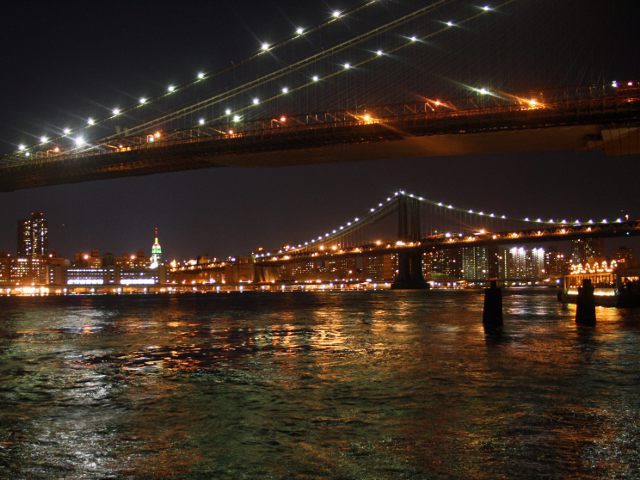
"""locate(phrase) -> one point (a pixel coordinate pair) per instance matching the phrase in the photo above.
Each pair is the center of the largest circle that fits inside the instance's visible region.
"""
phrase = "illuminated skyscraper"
(156, 252)
(33, 236)
(586, 249)
(475, 263)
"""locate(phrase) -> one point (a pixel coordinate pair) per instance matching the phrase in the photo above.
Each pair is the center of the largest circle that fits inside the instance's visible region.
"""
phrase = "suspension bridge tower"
(409, 275)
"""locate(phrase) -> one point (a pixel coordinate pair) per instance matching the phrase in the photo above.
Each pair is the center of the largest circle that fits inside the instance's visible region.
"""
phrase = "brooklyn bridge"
(363, 95)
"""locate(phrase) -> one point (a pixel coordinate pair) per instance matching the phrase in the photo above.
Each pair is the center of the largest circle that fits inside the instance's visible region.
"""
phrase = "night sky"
(61, 61)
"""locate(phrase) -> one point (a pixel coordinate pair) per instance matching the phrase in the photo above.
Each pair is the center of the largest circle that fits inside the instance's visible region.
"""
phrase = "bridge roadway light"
(256, 101)
(171, 88)
(21, 147)
(315, 78)
(336, 14)
(79, 141)
(299, 31)
(142, 100)
(44, 139)
(486, 8)
(347, 66)
(450, 23)
(91, 121)
(115, 111)
(201, 121)
(236, 118)
(379, 53)
(201, 75)
(265, 47)
(227, 111)
(285, 90)
(413, 38)
(66, 131)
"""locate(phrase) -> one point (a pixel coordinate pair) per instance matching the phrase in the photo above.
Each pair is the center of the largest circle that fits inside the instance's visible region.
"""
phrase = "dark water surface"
(388, 385)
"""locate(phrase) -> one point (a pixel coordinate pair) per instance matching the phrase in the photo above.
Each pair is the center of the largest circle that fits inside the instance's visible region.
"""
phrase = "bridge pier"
(492, 312)
(264, 274)
(586, 309)
(410, 275)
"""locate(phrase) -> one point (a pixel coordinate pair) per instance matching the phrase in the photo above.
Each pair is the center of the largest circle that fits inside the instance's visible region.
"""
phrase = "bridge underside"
(352, 143)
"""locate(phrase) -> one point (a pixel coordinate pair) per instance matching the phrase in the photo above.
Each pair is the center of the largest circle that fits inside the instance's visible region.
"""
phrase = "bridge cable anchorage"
(296, 66)
(299, 33)
(460, 228)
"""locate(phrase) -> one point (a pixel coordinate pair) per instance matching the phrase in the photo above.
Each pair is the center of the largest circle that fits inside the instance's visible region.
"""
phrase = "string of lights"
(201, 76)
(384, 207)
(236, 115)
(287, 70)
(378, 54)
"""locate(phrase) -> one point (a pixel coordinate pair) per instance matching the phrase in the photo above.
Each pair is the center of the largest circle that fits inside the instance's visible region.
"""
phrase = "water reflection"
(383, 385)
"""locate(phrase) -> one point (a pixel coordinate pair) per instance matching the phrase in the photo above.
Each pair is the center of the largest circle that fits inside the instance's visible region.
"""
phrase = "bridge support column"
(410, 275)
(492, 313)
(265, 274)
(586, 310)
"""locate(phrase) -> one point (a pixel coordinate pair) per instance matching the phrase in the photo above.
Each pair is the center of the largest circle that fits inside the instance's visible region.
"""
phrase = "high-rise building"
(5, 268)
(623, 255)
(442, 264)
(475, 263)
(33, 236)
(555, 263)
(522, 264)
(537, 267)
(584, 250)
(156, 252)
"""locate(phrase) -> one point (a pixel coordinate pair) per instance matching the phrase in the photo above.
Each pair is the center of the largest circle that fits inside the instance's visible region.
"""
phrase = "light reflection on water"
(348, 385)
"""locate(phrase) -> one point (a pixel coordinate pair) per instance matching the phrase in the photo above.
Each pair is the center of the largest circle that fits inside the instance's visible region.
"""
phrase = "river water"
(362, 385)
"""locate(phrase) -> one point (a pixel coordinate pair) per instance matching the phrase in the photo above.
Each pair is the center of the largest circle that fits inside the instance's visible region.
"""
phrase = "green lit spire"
(156, 251)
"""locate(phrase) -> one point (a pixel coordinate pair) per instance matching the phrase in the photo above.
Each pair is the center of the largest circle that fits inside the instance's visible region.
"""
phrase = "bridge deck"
(610, 127)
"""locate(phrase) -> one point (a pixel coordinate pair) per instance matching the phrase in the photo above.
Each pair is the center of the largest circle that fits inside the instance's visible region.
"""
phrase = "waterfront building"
(28, 271)
(91, 276)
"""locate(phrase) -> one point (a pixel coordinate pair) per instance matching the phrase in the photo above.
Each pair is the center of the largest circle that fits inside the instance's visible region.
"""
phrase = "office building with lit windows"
(33, 236)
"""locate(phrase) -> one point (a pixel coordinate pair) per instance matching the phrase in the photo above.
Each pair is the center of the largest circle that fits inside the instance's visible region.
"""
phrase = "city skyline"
(229, 225)
(67, 247)
(336, 261)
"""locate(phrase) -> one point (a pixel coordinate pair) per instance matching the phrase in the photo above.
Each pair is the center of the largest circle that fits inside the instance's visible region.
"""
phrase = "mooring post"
(586, 311)
(492, 313)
